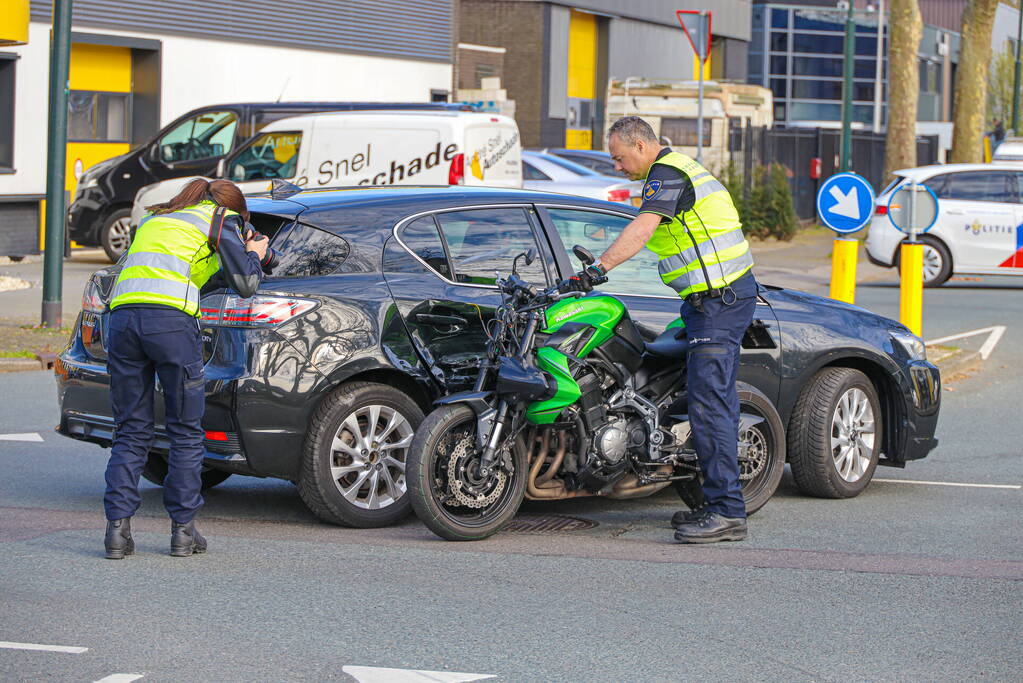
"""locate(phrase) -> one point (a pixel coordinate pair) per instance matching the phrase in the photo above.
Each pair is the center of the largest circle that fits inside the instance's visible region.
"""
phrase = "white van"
(352, 148)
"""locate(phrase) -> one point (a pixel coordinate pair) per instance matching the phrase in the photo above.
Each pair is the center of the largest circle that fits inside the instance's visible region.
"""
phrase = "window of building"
(811, 42)
(484, 242)
(815, 111)
(816, 90)
(98, 116)
(7, 64)
(779, 41)
(422, 238)
(310, 252)
(778, 87)
(817, 66)
(779, 18)
(683, 131)
(779, 65)
(271, 155)
(206, 135)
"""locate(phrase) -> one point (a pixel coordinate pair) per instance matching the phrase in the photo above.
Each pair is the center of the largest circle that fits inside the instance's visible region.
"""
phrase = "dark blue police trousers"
(714, 338)
(164, 342)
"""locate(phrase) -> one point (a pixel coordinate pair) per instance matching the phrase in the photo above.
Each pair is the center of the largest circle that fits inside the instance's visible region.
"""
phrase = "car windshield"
(567, 165)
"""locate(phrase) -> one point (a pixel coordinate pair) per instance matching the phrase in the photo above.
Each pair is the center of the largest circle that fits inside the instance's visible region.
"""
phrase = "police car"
(979, 229)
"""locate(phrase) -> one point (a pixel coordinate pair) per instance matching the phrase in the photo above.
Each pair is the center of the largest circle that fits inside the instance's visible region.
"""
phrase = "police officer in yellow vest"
(154, 332)
(688, 219)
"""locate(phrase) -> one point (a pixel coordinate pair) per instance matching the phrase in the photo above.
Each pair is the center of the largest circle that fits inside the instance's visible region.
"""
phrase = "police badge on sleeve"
(651, 189)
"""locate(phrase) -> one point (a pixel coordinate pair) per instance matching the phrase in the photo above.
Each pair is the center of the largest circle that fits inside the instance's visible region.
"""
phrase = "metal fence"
(797, 148)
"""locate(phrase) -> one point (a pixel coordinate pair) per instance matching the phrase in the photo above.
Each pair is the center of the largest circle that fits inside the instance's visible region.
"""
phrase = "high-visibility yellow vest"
(713, 229)
(169, 261)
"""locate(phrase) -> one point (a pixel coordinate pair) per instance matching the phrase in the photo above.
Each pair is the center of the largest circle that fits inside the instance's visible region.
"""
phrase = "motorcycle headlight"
(911, 344)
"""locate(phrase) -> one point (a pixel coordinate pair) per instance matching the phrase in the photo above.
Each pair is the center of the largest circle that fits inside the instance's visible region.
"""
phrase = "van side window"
(203, 136)
(483, 242)
(270, 155)
(423, 239)
(309, 252)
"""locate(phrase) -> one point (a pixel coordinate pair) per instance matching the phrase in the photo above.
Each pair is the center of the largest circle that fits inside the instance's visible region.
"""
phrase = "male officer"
(154, 330)
(688, 220)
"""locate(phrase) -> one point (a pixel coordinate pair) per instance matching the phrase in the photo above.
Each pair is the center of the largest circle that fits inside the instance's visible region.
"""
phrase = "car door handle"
(440, 320)
(955, 212)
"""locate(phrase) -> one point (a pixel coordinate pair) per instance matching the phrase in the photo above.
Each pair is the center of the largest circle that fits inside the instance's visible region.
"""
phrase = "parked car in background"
(550, 173)
(191, 145)
(1011, 149)
(381, 303)
(593, 159)
(979, 229)
(360, 148)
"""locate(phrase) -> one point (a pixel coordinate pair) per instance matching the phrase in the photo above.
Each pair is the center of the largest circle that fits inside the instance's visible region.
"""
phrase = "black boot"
(186, 539)
(683, 516)
(711, 527)
(118, 541)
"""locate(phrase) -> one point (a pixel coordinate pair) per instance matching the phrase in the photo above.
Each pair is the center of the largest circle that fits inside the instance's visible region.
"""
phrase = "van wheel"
(155, 472)
(115, 235)
(937, 262)
(353, 464)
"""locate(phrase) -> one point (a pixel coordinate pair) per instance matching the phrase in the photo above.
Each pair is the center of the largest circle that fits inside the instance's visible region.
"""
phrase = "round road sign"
(845, 202)
(925, 211)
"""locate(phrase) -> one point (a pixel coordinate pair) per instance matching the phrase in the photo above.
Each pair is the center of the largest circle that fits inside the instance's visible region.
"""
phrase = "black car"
(381, 303)
(192, 144)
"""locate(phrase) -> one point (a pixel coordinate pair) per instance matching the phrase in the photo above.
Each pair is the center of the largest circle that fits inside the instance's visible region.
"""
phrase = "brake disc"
(752, 454)
(466, 492)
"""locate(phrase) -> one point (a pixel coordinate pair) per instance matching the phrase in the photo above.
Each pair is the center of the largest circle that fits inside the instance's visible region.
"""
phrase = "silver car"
(550, 173)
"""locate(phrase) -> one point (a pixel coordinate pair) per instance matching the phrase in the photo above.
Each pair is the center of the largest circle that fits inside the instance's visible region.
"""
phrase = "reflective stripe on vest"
(169, 261)
(714, 234)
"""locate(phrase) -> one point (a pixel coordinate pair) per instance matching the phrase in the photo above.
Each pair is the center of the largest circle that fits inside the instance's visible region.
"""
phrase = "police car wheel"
(835, 434)
(155, 472)
(353, 463)
(937, 264)
(115, 235)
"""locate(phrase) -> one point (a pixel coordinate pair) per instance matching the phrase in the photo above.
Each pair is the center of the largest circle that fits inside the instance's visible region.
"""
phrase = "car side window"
(309, 252)
(204, 136)
(937, 184)
(422, 238)
(482, 244)
(530, 172)
(270, 155)
(596, 231)
(978, 186)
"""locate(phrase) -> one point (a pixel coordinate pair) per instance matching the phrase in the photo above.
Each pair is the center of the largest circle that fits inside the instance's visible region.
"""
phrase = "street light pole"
(879, 67)
(56, 159)
(847, 85)
(1015, 80)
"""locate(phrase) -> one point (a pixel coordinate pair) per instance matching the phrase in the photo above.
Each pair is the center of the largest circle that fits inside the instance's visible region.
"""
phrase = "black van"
(191, 145)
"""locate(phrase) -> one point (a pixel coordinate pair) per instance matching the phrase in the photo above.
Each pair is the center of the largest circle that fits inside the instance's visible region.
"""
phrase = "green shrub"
(765, 206)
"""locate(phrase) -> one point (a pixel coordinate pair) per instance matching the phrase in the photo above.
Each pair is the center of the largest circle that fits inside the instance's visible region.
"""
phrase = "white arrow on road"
(373, 674)
(847, 204)
(994, 333)
(30, 436)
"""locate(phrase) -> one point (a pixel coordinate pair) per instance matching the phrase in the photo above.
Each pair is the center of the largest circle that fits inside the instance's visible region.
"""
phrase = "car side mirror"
(583, 254)
(594, 231)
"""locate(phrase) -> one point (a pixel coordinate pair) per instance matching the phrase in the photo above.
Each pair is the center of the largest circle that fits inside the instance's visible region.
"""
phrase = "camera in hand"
(271, 259)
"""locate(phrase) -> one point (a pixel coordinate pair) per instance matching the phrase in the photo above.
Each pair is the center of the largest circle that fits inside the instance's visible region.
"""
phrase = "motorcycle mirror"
(583, 254)
(530, 256)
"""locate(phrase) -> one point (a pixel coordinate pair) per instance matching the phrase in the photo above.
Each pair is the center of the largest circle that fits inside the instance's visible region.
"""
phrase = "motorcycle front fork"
(490, 452)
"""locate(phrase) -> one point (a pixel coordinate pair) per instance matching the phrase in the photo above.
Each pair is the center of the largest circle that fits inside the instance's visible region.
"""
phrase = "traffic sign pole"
(843, 269)
(911, 284)
(845, 203)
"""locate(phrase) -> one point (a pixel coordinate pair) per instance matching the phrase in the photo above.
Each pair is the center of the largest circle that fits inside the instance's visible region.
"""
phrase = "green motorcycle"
(571, 401)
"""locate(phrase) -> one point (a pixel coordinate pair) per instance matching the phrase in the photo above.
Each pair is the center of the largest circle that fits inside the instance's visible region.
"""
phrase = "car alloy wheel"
(932, 263)
(852, 435)
(368, 455)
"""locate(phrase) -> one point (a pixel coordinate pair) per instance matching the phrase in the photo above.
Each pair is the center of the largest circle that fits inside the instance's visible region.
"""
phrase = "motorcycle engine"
(613, 439)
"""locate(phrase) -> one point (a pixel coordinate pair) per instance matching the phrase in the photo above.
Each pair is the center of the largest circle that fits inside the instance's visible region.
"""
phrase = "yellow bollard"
(843, 269)
(911, 291)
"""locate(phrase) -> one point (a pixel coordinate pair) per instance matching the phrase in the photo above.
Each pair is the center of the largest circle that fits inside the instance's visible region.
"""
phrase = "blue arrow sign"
(845, 202)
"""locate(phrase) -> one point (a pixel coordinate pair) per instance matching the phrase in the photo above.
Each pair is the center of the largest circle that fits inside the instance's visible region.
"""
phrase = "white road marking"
(45, 648)
(1011, 487)
(27, 436)
(374, 674)
(994, 333)
(120, 678)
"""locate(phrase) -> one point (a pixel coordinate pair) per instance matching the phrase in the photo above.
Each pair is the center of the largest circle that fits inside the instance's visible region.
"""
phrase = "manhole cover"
(545, 524)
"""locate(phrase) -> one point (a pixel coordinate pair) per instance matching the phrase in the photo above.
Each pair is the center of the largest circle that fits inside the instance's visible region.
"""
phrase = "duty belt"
(726, 293)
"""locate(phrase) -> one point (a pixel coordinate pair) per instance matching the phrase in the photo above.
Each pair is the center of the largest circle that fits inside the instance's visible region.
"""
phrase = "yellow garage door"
(582, 75)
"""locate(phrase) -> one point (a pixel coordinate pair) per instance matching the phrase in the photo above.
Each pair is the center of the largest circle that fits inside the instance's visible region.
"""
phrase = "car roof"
(581, 152)
(388, 204)
(345, 106)
(934, 169)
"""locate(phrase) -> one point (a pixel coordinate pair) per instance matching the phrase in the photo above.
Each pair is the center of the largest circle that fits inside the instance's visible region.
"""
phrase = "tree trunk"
(905, 28)
(971, 81)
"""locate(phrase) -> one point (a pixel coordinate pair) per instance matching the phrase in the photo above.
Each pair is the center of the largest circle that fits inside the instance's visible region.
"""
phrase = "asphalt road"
(906, 582)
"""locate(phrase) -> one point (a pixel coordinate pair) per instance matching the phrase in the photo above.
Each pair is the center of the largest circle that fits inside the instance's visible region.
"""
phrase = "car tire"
(835, 435)
(155, 472)
(937, 262)
(374, 476)
(115, 235)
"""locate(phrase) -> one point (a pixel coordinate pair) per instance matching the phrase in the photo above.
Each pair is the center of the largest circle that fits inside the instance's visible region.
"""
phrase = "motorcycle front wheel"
(445, 487)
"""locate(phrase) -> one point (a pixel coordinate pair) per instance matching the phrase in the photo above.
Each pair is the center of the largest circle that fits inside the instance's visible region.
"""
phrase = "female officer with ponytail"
(154, 332)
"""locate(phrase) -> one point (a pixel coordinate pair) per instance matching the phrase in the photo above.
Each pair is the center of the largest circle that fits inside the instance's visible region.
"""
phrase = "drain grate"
(545, 524)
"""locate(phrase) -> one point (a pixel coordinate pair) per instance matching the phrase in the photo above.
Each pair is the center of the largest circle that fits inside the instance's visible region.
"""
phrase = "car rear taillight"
(216, 436)
(257, 311)
(881, 210)
(618, 195)
(456, 172)
(92, 300)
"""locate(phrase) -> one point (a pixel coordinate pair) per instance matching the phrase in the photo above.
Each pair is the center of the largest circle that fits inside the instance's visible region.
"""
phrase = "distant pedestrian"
(154, 332)
(997, 134)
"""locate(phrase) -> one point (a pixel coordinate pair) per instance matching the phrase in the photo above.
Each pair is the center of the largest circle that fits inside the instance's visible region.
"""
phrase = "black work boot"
(711, 527)
(118, 541)
(683, 516)
(186, 539)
